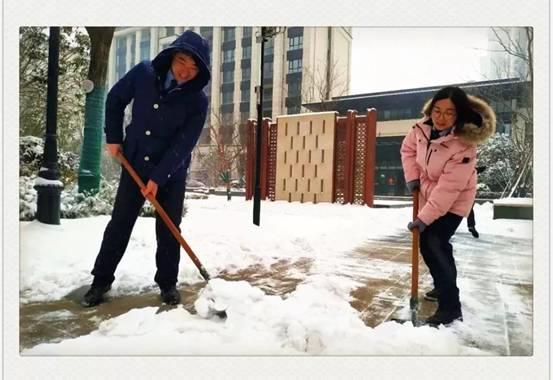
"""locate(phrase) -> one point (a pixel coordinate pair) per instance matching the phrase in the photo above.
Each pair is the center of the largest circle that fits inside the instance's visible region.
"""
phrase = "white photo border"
(399, 13)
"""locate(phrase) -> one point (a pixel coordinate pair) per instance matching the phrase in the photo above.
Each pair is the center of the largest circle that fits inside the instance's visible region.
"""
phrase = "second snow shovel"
(169, 223)
(414, 301)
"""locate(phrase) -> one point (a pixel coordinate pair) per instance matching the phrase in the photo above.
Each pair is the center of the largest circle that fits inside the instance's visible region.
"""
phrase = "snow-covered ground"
(316, 318)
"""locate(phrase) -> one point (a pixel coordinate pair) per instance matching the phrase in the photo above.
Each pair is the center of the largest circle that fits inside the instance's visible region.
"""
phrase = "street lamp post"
(266, 33)
(47, 184)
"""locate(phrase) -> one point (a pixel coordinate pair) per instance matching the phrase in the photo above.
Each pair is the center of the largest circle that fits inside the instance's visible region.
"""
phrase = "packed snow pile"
(316, 319)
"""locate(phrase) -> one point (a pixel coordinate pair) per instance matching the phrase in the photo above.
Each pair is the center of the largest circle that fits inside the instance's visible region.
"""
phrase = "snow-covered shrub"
(31, 150)
(27, 198)
(79, 205)
(72, 203)
(498, 155)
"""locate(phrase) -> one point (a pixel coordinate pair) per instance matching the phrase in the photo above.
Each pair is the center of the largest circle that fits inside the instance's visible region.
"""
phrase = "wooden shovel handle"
(415, 249)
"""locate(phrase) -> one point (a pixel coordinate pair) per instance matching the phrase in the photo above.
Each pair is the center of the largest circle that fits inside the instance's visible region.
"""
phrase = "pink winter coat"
(445, 166)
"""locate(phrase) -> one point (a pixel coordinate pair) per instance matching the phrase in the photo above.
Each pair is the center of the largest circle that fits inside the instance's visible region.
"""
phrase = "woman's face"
(444, 114)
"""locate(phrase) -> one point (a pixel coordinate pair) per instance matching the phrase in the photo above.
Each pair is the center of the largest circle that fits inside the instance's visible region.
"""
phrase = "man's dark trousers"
(128, 203)
(437, 253)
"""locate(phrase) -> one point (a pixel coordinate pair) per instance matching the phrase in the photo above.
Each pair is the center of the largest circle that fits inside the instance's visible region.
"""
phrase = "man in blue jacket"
(168, 113)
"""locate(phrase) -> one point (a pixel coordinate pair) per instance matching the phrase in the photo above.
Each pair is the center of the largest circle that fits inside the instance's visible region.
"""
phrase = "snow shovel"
(169, 223)
(414, 301)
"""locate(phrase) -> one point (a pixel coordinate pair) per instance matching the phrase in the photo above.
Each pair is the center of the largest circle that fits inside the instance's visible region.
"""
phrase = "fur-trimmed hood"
(472, 133)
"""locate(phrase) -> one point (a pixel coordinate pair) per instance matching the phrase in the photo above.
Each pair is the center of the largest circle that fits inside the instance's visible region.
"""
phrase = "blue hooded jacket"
(165, 125)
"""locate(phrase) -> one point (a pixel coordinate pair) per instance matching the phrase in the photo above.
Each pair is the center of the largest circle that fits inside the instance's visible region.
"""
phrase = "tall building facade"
(301, 65)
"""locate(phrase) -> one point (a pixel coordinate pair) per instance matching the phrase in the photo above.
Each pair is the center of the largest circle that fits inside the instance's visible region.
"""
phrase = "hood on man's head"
(194, 45)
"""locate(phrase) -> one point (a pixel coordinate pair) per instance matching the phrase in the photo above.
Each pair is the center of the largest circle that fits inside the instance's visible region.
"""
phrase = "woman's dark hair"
(465, 113)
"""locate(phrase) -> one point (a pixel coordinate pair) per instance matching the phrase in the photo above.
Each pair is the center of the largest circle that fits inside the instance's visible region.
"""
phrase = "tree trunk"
(89, 170)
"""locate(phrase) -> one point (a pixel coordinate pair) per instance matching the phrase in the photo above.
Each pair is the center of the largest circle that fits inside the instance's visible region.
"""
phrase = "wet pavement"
(494, 277)
(54, 321)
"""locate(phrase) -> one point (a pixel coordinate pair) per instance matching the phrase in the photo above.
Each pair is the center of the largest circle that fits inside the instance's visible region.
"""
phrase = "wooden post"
(370, 154)
(264, 156)
(333, 200)
(271, 159)
(350, 153)
(250, 160)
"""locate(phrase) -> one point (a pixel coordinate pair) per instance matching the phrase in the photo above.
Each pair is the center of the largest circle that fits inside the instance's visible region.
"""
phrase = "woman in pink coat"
(439, 158)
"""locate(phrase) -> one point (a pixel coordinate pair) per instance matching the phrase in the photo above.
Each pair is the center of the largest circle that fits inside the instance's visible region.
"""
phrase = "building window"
(267, 94)
(268, 70)
(294, 110)
(170, 31)
(247, 32)
(145, 45)
(228, 34)
(294, 66)
(133, 50)
(245, 97)
(226, 96)
(228, 76)
(269, 45)
(228, 55)
(246, 73)
(294, 89)
(120, 57)
(295, 43)
(246, 52)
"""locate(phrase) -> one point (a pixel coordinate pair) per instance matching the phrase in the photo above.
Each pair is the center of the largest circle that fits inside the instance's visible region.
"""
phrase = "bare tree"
(514, 57)
(225, 155)
(321, 83)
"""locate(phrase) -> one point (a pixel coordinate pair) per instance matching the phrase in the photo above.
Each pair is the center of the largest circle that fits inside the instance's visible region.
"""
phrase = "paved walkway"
(495, 279)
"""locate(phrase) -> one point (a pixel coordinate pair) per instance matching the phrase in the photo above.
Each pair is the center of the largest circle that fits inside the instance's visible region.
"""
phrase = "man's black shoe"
(432, 295)
(95, 295)
(445, 317)
(170, 295)
(474, 232)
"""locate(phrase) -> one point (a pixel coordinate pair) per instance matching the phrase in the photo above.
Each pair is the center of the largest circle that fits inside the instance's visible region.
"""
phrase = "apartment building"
(301, 65)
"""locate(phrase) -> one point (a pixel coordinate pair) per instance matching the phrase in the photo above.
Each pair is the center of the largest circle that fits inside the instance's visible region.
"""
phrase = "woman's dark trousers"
(437, 253)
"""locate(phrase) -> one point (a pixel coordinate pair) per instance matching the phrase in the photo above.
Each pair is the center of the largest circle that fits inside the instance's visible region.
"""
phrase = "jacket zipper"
(428, 150)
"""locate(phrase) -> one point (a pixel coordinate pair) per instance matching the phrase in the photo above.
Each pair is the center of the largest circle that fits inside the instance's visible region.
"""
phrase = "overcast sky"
(399, 58)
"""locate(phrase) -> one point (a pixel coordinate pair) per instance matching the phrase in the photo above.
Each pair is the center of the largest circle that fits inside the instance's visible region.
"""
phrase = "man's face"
(183, 67)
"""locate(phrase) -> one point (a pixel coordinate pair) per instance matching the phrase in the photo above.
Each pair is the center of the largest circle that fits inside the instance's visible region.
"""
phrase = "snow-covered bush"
(27, 198)
(31, 150)
(79, 205)
(72, 203)
(498, 155)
